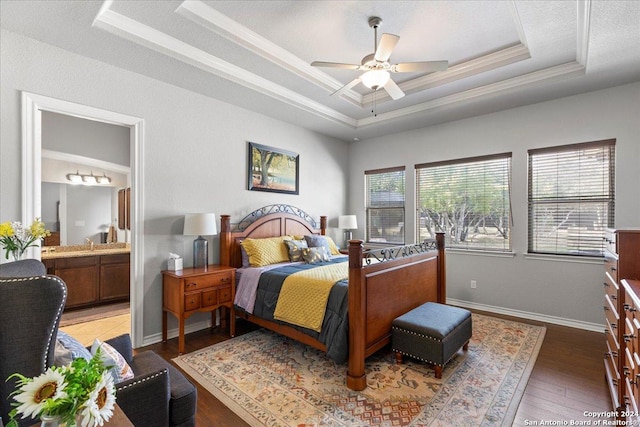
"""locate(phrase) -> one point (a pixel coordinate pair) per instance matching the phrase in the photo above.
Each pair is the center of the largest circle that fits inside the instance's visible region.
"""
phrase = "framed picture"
(272, 169)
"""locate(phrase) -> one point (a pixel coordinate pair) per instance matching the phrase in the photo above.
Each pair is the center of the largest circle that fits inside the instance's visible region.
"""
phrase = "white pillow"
(120, 369)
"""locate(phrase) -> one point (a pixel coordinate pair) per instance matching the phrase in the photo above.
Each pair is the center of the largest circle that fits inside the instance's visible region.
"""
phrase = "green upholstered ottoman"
(432, 333)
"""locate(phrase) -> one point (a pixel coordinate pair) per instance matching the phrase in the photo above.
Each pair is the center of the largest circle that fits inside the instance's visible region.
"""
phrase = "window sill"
(566, 258)
(477, 252)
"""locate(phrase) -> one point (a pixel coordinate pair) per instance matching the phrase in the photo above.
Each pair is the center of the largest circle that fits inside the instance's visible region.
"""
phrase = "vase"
(17, 254)
(51, 421)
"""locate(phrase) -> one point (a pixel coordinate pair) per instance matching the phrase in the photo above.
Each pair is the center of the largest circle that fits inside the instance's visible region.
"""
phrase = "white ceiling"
(256, 54)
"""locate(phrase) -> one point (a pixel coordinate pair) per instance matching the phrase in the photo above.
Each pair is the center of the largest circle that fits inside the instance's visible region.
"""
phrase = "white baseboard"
(572, 323)
(173, 333)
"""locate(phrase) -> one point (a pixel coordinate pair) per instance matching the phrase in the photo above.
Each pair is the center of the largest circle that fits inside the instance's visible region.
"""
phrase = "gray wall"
(522, 284)
(87, 138)
(195, 152)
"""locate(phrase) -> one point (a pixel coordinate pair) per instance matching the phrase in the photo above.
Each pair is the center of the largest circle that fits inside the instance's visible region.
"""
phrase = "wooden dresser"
(622, 261)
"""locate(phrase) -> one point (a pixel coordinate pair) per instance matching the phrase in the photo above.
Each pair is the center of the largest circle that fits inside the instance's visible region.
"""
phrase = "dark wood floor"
(567, 380)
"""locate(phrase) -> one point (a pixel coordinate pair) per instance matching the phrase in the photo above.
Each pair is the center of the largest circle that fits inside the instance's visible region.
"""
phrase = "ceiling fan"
(377, 67)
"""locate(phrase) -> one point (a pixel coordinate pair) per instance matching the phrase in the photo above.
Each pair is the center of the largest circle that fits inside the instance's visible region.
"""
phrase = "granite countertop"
(71, 251)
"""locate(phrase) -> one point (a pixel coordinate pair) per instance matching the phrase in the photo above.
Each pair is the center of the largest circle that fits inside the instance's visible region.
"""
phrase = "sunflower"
(33, 394)
(99, 406)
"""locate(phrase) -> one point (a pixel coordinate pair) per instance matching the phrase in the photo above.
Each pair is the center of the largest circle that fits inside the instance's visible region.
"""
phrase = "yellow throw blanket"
(304, 295)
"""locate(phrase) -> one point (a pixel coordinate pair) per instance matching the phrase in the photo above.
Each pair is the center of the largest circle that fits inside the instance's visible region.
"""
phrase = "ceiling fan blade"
(335, 65)
(385, 47)
(346, 87)
(420, 67)
(393, 90)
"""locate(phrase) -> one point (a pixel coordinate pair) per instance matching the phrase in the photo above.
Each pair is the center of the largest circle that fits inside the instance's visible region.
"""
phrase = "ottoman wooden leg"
(465, 347)
(398, 358)
(438, 370)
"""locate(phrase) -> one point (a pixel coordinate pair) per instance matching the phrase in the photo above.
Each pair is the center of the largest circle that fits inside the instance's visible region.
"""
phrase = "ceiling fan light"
(375, 79)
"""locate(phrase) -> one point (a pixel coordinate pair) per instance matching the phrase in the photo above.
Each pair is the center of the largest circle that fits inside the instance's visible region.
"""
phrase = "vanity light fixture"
(75, 178)
(91, 179)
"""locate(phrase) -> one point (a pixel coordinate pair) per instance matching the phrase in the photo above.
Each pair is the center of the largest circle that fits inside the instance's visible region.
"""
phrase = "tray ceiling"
(256, 54)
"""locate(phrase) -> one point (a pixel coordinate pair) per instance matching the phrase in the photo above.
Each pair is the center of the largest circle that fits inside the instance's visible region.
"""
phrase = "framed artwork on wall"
(272, 169)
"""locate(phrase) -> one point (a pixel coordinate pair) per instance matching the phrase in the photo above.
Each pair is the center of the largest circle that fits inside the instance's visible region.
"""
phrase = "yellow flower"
(6, 230)
(38, 229)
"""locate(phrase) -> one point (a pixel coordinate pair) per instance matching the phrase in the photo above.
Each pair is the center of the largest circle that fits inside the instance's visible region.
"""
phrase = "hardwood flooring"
(567, 380)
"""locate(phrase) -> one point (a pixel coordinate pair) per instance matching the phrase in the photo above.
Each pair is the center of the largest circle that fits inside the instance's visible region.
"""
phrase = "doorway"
(32, 107)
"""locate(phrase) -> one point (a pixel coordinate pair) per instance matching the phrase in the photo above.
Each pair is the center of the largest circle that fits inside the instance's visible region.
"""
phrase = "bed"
(382, 283)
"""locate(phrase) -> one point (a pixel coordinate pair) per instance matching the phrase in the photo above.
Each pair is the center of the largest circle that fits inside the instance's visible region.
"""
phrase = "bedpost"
(442, 279)
(225, 239)
(356, 378)
(323, 225)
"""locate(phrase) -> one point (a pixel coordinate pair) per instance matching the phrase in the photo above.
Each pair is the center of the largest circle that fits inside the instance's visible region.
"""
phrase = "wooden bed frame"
(399, 279)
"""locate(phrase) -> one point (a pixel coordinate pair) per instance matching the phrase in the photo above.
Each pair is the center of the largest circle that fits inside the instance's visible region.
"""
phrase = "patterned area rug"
(270, 380)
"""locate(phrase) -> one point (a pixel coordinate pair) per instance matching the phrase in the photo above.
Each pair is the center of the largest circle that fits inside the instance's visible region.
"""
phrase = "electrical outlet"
(473, 284)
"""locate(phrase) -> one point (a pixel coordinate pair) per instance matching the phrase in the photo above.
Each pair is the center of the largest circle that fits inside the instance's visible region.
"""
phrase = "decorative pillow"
(315, 255)
(68, 349)
(295, 249)
(315, 240)
(270, 250)
(120, 369)
(245, 257)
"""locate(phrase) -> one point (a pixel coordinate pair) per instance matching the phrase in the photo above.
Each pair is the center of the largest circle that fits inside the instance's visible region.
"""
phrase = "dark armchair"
(32, 304)
(155, 381)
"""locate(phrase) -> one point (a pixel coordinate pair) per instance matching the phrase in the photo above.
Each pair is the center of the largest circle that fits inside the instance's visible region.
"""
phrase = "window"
(385, 205)
(467, 199)
(571, 198)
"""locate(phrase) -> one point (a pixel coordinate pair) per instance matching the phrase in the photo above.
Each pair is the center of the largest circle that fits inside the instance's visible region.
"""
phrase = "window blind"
(468, 199)
(385, 212)
(571, 198)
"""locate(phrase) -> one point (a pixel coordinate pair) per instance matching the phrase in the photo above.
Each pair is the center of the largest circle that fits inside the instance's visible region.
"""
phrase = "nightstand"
(193, 290)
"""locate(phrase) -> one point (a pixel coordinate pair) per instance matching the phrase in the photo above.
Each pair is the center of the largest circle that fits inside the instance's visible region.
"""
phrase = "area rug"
(269, 380)
(94, 313)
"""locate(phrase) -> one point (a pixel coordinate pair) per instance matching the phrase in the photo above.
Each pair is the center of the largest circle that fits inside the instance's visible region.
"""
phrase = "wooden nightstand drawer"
(226, 294)
(208, 281)
(192, 301)
(209, 298)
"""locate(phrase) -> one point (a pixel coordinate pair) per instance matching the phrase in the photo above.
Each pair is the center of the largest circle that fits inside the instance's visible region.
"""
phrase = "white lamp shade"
(375, 78)
(347, 222)
(200, 224)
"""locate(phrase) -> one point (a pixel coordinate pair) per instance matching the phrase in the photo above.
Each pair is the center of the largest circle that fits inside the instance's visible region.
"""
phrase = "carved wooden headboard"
(269, 221)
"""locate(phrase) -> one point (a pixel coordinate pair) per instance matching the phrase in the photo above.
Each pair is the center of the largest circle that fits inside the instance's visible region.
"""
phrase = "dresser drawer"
(611, 315)
(610, 241)
(225, 295)
(208, 281)
(209, 298)
(612, 353)
(192, 301)
(612, 340)
(611, 267)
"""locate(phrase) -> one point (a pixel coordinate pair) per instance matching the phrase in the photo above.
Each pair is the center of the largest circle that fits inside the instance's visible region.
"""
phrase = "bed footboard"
(383, 285)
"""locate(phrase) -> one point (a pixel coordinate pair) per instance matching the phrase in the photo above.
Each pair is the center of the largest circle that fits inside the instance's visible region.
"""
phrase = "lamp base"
(200, 252)
(347, 237)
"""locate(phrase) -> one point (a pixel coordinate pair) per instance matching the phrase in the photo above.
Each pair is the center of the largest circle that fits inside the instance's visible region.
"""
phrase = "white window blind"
(468, 199)
(385, 205)
(571, 198)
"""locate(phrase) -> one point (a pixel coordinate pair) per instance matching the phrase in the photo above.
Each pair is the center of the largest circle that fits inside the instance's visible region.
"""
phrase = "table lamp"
(200, 224)
(347, 223)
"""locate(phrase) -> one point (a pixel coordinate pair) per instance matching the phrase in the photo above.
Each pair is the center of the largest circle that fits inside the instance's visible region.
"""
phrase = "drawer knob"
(628, 337)
(613, 326)
(605, 308)
(605, 284)
(613, 268)
(613, 297)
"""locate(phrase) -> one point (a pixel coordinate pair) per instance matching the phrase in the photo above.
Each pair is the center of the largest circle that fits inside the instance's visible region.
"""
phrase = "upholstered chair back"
(30, 310)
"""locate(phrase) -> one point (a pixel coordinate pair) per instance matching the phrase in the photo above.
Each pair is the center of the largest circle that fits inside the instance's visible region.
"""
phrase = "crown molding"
(151, 38)
(87, 161)
(206, 16)
(583, 31)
